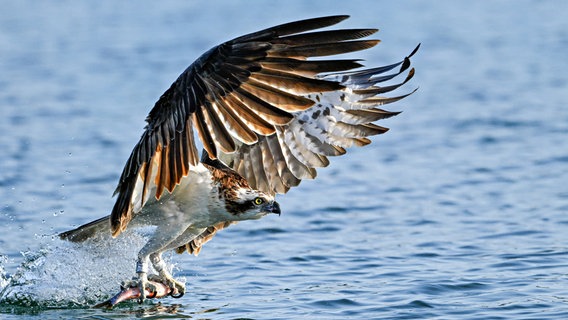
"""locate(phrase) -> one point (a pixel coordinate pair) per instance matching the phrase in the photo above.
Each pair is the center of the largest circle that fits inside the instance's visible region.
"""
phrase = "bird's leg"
(156, 258)
(166, 237)
(163, 239)
(164, 276)
(155, 244)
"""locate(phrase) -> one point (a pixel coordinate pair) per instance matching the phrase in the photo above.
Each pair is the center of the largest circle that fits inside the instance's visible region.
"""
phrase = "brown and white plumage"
(267, 118)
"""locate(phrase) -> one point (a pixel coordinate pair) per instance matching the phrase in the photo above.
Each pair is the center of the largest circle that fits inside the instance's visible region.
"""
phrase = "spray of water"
(66, 274)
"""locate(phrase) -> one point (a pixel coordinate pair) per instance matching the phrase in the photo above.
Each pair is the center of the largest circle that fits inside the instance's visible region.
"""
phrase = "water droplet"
(56, 213)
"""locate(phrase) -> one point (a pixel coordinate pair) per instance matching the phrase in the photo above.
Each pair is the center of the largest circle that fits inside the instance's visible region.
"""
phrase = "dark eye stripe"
(238, 208)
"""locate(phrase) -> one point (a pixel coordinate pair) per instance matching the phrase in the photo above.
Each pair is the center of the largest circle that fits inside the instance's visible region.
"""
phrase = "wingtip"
(341, 17)
(415, 50)
(336, 17)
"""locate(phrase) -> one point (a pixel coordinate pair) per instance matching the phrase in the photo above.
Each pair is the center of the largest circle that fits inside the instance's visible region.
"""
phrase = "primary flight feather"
(267, 117)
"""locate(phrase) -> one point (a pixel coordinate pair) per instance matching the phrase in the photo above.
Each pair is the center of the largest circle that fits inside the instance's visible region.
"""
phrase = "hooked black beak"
(273, 207)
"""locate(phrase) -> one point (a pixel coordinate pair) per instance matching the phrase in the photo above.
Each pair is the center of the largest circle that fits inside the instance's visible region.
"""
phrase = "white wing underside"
(338, 120)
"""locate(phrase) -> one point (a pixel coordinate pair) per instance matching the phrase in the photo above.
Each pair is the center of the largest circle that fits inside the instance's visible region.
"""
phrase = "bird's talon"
(177, 288)
(177, 294)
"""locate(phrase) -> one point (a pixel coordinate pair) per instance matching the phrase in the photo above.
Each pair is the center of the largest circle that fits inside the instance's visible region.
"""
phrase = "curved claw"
(145, 286)
(177, 289)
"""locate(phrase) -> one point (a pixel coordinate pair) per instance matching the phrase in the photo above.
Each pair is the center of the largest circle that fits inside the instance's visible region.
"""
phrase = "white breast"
(194, 202)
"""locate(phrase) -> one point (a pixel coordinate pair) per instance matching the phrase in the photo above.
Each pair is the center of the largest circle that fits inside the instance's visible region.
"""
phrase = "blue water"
(460, 211)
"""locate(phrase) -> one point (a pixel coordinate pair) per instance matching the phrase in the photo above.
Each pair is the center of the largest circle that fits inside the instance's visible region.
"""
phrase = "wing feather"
(294, 84)
(325, 36)
(287, 145)
(256, 105)
(218, 129)
(274, 180)
(233, 123)
(257, 163)
(247, 169)
(320, 49)
(276, 98)
(284, 171)
(308, 68)
(254, 121)
(259, 104)
(292, 27)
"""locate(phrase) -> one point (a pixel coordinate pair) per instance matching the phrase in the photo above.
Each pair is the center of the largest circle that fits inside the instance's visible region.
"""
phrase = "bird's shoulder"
(225, 178)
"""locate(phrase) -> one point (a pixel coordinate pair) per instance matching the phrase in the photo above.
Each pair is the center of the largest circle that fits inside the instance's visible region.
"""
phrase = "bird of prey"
(266, 114)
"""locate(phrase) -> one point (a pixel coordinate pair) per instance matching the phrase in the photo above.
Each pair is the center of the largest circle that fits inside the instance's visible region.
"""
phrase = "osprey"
(266, 116)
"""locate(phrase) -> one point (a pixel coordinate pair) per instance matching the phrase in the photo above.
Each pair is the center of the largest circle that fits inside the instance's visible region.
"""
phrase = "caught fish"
(130, 293)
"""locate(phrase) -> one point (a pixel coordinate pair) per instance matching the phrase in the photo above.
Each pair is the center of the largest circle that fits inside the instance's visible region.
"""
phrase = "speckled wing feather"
(338, 119)
(194, 246)
(247, 99)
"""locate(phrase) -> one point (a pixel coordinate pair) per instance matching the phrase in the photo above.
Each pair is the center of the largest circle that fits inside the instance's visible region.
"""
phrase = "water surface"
(458, 212)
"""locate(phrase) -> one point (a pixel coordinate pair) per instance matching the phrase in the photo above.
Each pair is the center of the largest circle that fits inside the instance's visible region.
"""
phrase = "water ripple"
(458, 212)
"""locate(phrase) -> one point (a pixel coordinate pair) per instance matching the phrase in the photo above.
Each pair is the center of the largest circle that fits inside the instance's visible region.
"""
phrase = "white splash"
(3, 278)
(72, 274)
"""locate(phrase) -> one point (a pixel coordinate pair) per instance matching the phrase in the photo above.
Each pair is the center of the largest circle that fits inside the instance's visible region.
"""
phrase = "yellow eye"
(258, 201)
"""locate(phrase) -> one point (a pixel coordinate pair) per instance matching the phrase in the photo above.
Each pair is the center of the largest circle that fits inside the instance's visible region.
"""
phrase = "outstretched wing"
(339, 119)
(248, 100)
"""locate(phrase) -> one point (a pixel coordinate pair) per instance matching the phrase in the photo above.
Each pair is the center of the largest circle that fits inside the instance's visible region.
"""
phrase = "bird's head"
(241, 201)
(250, 204)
